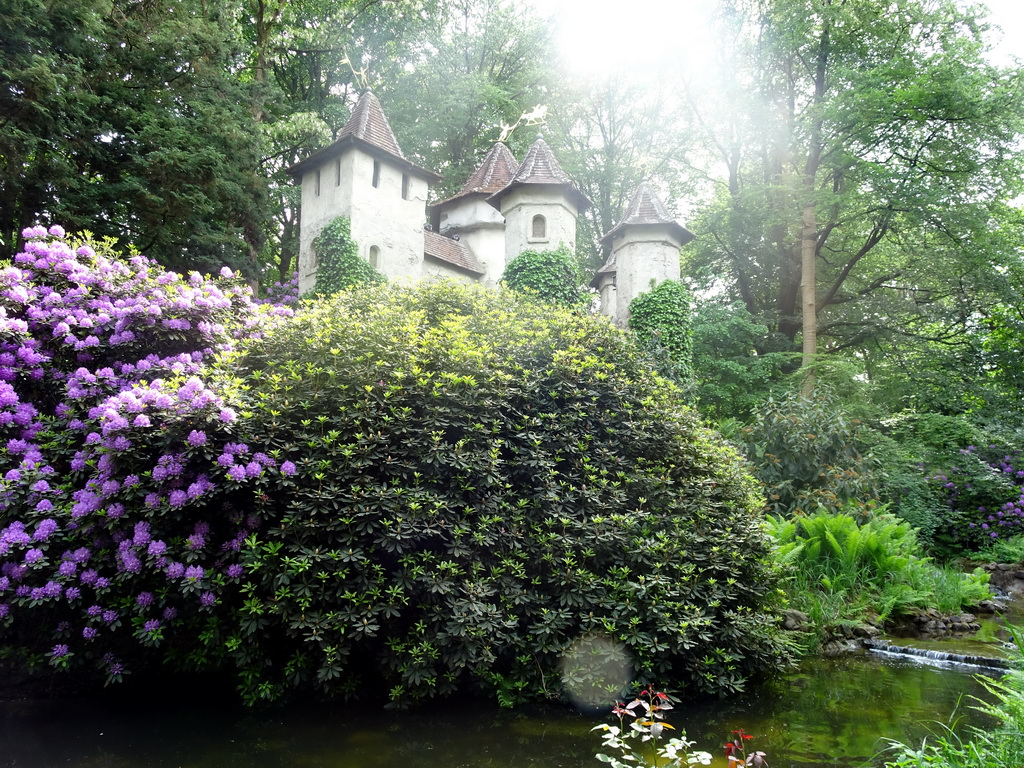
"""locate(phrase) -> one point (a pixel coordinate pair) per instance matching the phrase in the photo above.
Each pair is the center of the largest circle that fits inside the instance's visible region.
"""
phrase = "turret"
(540, 204)
(644, 252)
(364, 175)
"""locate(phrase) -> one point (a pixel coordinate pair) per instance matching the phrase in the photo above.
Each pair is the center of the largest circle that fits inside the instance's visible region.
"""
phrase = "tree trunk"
(809, 315)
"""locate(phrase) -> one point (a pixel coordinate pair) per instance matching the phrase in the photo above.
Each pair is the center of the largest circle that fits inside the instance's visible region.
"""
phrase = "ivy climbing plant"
(661, 320)
(339, 267)
(552, 276)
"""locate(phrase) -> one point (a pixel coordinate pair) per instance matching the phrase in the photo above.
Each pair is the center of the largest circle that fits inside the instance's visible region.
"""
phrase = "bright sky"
(603, 36)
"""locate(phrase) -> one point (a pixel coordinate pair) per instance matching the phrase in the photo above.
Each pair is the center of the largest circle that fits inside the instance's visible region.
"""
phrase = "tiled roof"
(540, 167)
(646, 208)
(367, 128)
(451, 252)
(492, 175)
(367, 122)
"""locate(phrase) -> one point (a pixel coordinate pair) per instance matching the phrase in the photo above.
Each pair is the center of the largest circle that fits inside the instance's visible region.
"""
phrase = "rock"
(866, 631)
(840, 647)
(795, 621)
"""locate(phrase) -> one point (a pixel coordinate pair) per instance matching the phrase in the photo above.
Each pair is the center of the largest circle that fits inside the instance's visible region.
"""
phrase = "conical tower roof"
(368, 123)
(492, 175)
(647, 209)
(540, 167)
(368, 129)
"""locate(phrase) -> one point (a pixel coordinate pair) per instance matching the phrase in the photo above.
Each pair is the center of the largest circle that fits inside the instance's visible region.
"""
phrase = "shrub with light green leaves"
(479, 483)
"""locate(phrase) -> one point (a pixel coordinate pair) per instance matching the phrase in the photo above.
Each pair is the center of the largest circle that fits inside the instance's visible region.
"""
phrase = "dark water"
(829, 712)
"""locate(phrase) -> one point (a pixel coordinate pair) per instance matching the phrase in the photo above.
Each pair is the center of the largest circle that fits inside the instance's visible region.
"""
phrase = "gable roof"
(539, 166)
(646, 208)
(368, 129)
(451, 252)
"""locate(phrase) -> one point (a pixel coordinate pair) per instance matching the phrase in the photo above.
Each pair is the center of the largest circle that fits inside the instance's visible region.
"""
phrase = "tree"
(128, 118)
(867, 146)
(481, 64)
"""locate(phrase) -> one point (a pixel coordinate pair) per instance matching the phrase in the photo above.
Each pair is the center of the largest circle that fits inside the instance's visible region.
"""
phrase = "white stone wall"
(522, 204)
(645, 255)
(317, 210)
(480, 228)
(380, 217)
(434, 270)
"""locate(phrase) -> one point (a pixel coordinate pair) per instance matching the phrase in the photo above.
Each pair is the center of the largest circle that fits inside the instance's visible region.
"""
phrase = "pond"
(828, 712)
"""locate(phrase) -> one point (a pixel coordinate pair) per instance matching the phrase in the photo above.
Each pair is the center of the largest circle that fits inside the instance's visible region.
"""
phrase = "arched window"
(374, 256)
(540, 228)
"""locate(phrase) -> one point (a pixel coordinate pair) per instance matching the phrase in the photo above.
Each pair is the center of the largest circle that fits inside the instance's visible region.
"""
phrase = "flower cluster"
(116, 520)
(985, 494)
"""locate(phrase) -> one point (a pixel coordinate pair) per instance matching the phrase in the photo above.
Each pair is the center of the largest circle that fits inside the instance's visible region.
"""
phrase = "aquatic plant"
(845, 572)
(641, 743)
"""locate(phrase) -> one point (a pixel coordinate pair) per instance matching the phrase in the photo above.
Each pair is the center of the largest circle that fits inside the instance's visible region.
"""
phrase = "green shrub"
(661, 320)
(809, 455)
(551, 276)
(339, 267)
(480, 483)
(736, 365)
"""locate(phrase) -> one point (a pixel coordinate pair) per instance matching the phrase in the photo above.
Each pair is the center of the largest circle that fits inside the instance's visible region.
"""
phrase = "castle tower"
(467, 216)
(540, 204)
(364, 175)
(644, 252)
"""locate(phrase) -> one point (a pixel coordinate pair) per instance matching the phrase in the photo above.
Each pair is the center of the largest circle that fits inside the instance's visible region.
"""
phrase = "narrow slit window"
(316, 189)
(405, 186)
(337, 172)
(376, 173)
(540, 228)
(374, 257)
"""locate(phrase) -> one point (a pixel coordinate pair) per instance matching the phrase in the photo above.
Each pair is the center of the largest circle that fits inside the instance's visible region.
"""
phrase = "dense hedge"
(480, 483)
(397, 491)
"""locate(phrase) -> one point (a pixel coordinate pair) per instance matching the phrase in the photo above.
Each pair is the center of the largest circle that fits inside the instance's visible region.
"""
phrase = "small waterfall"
(938, 658)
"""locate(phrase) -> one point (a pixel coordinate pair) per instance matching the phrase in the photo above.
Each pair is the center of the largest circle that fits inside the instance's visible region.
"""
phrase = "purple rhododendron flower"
(287, 469)
(237, 473)
(196, 438)
(144, 599)
(151, 626)
(234, 570)
(59, 650)
(194, 572)
(207, 599)
(89, 632)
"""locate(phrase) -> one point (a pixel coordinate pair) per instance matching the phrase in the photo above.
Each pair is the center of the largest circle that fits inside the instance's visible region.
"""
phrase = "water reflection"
(827, 713)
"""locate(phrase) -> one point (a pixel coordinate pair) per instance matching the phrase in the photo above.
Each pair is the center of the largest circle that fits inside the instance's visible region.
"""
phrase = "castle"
(506, 207)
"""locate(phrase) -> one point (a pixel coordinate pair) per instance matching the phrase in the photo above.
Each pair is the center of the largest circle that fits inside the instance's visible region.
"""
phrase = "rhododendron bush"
(409, 492)
(113, 438)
